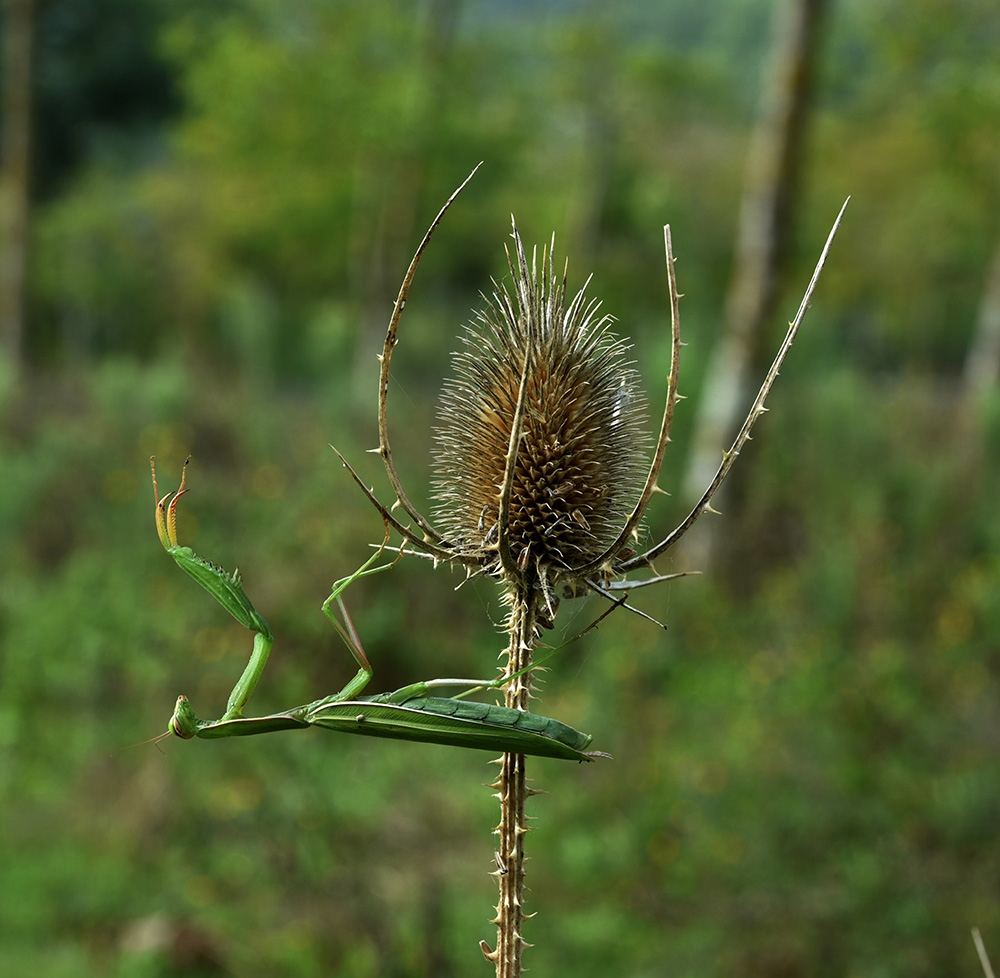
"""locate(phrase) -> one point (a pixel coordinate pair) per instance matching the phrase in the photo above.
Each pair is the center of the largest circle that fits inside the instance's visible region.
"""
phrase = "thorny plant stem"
(556, 527)
(513, 791)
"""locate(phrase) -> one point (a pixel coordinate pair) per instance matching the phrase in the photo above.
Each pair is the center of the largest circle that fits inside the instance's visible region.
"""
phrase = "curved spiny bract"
(757, 409)
(577, 461)
(391, 339)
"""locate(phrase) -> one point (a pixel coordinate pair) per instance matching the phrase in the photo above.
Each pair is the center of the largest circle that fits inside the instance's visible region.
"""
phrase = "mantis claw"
(166, 514)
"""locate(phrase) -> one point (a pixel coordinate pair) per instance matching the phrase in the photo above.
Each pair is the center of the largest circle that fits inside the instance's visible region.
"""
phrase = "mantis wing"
(461, 723)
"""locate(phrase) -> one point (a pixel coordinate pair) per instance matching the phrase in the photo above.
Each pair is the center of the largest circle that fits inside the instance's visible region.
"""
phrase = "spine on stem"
(512, 792)
(540, 448)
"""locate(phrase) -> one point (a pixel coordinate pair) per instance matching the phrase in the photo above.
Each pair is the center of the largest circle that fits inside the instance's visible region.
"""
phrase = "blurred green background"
(225, 196)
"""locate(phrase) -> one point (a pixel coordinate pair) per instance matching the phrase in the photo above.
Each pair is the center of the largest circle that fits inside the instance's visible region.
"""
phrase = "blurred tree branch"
(15, 153)
(980, 373)
(982, 363)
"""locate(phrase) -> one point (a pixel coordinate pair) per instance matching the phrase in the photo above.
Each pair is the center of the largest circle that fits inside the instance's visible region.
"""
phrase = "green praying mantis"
(405, 714)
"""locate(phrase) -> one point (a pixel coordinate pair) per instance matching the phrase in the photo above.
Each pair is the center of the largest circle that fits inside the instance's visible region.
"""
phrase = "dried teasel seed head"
(580, 461)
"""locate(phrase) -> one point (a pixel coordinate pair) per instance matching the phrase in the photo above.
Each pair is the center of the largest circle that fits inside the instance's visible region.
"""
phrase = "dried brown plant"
(539, 481)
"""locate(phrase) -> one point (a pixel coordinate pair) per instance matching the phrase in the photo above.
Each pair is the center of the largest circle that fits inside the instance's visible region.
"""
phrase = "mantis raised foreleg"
(406, 714)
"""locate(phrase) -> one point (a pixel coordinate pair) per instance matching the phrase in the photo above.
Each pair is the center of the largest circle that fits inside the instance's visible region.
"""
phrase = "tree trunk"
(981, 373)
(513, 792)
(772, 178)
(15, 154)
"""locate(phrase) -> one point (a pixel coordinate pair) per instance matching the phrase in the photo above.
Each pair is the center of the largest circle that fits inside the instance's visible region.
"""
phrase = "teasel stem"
(540, 447)
(540, 450)
(513, 792)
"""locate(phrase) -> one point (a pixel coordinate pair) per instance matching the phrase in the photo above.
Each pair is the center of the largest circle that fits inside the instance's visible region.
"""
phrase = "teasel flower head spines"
(545, 404)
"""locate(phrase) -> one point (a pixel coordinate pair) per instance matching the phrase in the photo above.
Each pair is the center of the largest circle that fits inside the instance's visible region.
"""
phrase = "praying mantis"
(409, 713)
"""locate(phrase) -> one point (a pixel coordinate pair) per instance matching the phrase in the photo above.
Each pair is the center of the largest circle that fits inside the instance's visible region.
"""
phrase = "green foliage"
(818, 759)
(806, 773)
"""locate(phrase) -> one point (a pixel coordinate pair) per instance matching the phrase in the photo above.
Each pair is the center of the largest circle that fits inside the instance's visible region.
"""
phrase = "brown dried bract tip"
(550, 370)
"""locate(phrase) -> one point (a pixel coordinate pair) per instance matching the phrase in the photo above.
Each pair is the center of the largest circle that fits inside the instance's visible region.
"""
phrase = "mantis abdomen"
(462, 723)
